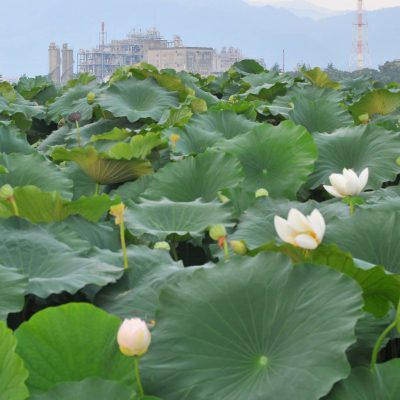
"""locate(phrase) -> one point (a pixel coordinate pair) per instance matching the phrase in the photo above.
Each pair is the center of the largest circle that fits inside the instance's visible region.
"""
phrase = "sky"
(30, 25)
(339, 4)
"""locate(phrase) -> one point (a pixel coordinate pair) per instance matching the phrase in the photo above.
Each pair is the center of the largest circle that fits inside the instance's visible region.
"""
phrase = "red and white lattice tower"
(360, 44)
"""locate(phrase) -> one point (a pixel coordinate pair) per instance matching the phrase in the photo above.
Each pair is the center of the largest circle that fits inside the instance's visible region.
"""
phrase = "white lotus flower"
(133, 337)
(348, 183)
(300, 230)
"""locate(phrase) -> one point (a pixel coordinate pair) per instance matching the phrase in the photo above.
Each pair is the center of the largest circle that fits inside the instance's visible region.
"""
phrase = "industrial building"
(199, 60)
(61, 63)
(103, 60)
(149, 46)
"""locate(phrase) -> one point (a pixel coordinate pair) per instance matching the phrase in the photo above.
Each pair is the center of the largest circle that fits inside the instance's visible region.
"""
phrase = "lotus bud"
(239, 247)
(262, 193)
(217, 232)
(6, 192)
(162, 246)
(199, 105)
(222, 198)
(61, 123)
(175, 138)
(90, 97)
(232, 99)
(133, 337)
(364, 118)
(74, 117)
(118, 212)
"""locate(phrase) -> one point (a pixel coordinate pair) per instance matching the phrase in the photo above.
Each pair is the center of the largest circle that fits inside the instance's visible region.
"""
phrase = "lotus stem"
(78, 133)
(351, 206)
(137, 375)
(14, 206)
(379, 342)
(123, 243)
(173, 250)
(226, 249)
(96, 192)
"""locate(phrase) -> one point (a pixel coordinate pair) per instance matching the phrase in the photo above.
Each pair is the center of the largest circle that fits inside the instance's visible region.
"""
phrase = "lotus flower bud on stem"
(74, 117)
(239, 247)
(117, 211)
(134, 339)
(301, 231)
(61, 123)
(222, 198)
(364, 119)
(232, 99)
(262, 193)
(218, 233)
(90, 97)
(7, 193)
(174, 138)
(162, 246)
(198, 105)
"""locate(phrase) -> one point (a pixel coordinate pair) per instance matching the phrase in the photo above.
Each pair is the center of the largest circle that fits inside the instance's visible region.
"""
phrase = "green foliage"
(135, 99)
(278, 159)
(165, 217)
(381, 101)
(249, 320)
(185, 153)
(363, 384)
(80, 341)
(137, 292)
(105, 168)
(357, 148)
(88, 389)
(196, 177)
(320, 78)
(41, 255)
(13, 373)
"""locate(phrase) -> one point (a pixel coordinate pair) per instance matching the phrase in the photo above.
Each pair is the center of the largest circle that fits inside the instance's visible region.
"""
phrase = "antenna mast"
(360, 45)
(360, 35)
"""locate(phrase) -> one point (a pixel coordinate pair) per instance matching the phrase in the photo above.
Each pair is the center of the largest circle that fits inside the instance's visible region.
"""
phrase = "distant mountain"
(303, 8)
(258, 31)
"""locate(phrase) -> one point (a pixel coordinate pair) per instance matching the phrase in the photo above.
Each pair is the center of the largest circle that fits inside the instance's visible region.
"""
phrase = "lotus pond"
(169, 236)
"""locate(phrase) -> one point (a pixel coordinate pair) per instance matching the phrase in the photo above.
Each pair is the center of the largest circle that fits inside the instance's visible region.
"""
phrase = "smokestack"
(54, 63)
(67, 63)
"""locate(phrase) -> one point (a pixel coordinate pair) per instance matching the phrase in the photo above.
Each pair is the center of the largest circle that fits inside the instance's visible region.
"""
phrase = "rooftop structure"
(149, 46)
(199, 60)
(107, 57)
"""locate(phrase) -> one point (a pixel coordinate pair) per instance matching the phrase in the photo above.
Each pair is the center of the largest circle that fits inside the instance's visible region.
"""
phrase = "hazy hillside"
(259, 31)
(302, 8)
